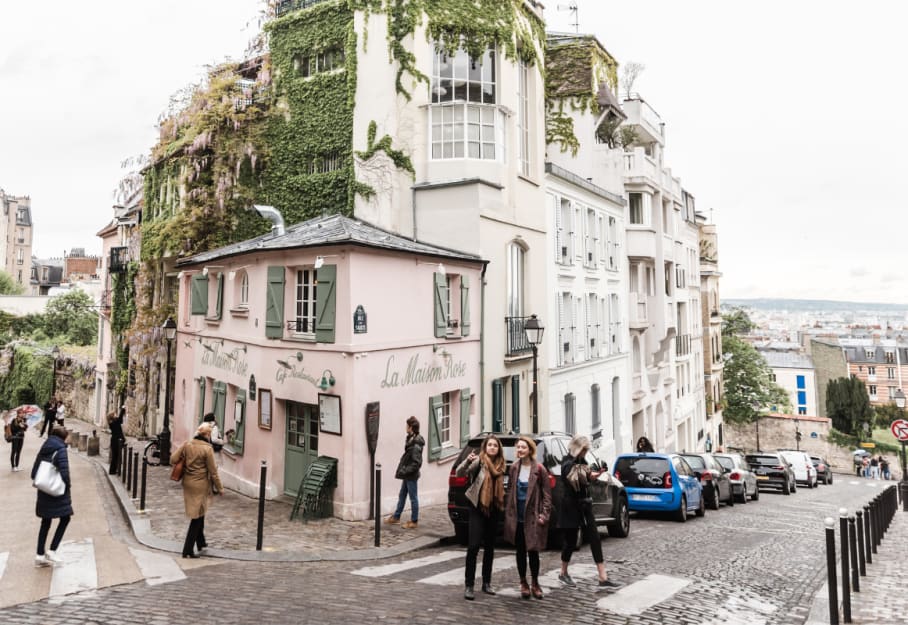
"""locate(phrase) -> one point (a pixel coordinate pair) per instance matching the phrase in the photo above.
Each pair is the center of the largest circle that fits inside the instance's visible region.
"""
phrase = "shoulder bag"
(48, 479)
(176, 473)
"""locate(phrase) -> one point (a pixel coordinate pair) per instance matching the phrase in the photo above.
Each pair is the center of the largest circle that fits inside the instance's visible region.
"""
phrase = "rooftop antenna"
(572, 7)
(711, 220)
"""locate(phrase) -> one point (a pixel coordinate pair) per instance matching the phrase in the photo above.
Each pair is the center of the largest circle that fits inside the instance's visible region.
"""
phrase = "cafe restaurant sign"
(420, 373)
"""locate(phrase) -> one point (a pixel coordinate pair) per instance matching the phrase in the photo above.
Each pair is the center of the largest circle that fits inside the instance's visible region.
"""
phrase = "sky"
(784, 119)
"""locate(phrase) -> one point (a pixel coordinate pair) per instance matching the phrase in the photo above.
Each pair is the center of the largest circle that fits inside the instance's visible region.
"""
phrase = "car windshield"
(726, 462)
(643, 472)
(695, 462)
(793, 456)
(765, 461)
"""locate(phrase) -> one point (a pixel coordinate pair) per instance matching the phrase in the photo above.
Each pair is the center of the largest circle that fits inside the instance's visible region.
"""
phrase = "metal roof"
(329, 230)
(787, 360)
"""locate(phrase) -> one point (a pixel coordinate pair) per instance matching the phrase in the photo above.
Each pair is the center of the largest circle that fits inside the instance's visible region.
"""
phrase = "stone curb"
(141, 529)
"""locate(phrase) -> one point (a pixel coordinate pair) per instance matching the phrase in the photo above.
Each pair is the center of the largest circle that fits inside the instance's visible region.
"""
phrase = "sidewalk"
(231, 522)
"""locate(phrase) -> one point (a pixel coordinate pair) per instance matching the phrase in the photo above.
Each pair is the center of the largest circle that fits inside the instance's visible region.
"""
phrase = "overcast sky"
(785, 118)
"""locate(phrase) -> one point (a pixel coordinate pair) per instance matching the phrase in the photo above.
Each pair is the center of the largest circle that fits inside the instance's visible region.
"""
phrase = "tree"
(71, 317)
(848, 404)
(883, 416)
(629, 74)
(749, 389)
(8, 286)
(736, 323)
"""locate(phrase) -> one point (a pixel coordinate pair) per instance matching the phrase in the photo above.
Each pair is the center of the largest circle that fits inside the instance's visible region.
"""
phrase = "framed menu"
(329, 413)
(265, 408)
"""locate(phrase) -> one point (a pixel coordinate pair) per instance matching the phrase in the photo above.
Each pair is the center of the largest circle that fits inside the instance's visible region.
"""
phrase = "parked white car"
(802, 465)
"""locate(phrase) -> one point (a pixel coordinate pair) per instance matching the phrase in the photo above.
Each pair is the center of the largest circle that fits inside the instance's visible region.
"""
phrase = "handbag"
(48, 479)
(176, 473)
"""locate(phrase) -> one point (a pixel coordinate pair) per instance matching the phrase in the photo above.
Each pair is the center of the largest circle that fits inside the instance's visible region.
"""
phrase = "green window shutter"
(199, 295)
(497, 404)
(464, 416)
(464, 306)
(325, 303)
(274, 303)
(515, 403)
(201, 399)
(218, 306)
(440, 302)
(434, 430)
(220, 400)
(240, 433)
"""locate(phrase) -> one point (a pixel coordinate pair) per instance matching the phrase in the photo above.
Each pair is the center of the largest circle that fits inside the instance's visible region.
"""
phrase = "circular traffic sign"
(899, 429)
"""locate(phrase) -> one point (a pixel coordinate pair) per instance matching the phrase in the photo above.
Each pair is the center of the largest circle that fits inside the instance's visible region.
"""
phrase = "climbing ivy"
(400, 160)
(26, 376)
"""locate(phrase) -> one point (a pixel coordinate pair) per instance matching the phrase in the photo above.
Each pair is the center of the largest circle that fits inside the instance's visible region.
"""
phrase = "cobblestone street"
(759, 564)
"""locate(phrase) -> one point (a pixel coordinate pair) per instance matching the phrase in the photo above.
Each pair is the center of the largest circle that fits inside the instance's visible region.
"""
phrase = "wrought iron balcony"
(119, 259)
(516, 336)
(106, 300)
(285, 6)
(682, 345)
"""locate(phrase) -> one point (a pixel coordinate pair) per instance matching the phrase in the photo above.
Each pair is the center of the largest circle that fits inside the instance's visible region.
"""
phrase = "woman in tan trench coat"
(527, 508)
(200, 479)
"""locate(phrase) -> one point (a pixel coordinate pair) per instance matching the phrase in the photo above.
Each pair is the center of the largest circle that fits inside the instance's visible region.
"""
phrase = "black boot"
(487, 588)
(468, 593)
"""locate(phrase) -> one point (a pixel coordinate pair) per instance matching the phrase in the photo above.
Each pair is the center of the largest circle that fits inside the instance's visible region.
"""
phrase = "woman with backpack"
(527, 508)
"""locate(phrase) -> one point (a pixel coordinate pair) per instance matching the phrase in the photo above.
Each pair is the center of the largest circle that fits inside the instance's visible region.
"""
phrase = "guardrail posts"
(261, 519)
(378, 504)
(867, 524)
(843, 539)
(831, 582)
(860, 536)
(135, 474)
(853, 552)
(873, 529)
(128, 480)
(144, 480)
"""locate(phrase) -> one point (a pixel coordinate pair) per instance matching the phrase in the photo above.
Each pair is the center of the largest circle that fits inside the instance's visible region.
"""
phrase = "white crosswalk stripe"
(4, 557)
(157, 568)
(641, 595)
(455, 577)
(78, 572)
(390, 569)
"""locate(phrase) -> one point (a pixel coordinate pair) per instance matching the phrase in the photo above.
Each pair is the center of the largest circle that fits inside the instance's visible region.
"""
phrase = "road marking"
(78, 571)
(390, 569)
(635, 598)
(455, 577)
(157, 568)
(3, 558)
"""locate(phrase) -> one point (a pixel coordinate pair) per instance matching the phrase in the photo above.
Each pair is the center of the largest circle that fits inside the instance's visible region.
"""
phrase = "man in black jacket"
(50, 416)
(408, 473)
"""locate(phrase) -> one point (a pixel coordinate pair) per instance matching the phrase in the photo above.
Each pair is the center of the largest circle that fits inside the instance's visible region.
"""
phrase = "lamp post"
(797, 435)
(903, 483)
(55, 353)
(533, 329)
(170, 333)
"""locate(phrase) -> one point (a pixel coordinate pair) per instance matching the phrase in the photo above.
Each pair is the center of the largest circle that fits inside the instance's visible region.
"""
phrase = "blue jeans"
(407, 487)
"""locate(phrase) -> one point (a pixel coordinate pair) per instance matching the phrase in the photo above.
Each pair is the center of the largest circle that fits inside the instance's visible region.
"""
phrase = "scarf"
(492, 491)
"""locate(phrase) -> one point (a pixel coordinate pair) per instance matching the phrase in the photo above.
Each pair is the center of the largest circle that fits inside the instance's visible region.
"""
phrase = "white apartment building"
(711, 322)
(794, 372)
(16, 238)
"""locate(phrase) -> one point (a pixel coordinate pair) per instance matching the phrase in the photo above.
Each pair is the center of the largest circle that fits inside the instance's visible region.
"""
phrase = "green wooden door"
(302, 443)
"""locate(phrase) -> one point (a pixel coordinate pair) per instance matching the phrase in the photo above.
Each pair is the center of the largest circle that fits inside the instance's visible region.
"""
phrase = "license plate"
(762, 477)
(644, 497)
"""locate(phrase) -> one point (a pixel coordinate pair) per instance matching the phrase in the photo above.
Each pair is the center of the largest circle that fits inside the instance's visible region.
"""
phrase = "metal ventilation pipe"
(274, 216)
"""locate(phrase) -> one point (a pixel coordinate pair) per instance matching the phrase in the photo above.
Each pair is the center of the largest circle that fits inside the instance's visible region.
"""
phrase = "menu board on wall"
(329, 412)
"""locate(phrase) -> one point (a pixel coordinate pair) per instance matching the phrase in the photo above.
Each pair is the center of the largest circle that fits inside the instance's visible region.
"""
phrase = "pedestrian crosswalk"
(86, 566)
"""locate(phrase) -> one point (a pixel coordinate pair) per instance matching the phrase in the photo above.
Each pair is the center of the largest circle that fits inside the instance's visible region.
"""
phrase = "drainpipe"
(413, 202)
(274, 216)
(482, 349)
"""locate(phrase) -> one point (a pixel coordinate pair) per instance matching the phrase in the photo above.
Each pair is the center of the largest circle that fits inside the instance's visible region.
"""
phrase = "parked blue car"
(661, 483)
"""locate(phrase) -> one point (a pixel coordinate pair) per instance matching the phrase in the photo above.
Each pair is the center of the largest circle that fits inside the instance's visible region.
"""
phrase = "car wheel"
(462, 533)
(743, 498)
(809, 482)
(622, 527)
(714, 498)
(756, 495)
(701, 511)
(681, 512)
(731, 497)
(786, 488)
(830, 479)
(794, 486)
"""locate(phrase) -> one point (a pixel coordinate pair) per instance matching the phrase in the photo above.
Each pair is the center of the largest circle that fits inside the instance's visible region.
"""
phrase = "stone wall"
(778, 432)
(76, 389)
(829, 364)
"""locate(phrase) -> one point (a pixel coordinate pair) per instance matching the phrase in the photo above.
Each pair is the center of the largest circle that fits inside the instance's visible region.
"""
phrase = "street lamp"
(533, 329)
(756, 407)
(903, 483)
(797, 435)
(55, 353)
(170, 333)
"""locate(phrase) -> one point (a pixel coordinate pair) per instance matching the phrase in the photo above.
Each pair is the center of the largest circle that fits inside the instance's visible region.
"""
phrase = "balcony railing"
(119, 259)
(682, 345)
(285, 6)
(106, 300)
(516, 336)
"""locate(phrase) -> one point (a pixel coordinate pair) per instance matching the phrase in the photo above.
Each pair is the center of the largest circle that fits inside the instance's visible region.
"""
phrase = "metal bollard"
(879, 520)
(144, 480)
(128, 480)
(378, 505)
(867, 553)
(860, 537)
(846, 589)
(873, 527)
(261, 519)
(831, 582)
(853, 552)
(135, 474)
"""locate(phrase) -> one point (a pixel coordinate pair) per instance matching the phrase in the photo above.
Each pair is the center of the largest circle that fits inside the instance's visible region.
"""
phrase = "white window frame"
(523, 117)
(304, 302)
(244, 290)
(444, 419)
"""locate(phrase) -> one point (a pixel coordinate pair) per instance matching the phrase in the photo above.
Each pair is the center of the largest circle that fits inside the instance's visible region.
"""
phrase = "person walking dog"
(48, 507)
(486, 498)
(527, 508)
(577, 511)
(200, 479)
(408, 473)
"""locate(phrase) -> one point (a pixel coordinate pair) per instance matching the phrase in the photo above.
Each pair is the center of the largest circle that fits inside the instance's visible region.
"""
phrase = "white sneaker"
(42, 561)
(53, 557)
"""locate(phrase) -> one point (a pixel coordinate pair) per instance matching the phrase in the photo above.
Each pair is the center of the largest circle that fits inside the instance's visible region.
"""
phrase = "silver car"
(743, 481)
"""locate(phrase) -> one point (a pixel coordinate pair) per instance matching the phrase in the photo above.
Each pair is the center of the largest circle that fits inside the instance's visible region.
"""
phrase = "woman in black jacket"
(17, 427)
(577, 511)
(115, 423)
(408, 473)
(49, 507)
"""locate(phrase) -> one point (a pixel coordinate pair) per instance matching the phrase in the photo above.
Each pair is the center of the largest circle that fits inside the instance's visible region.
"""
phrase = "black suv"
(609, 498)
(772, 469)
